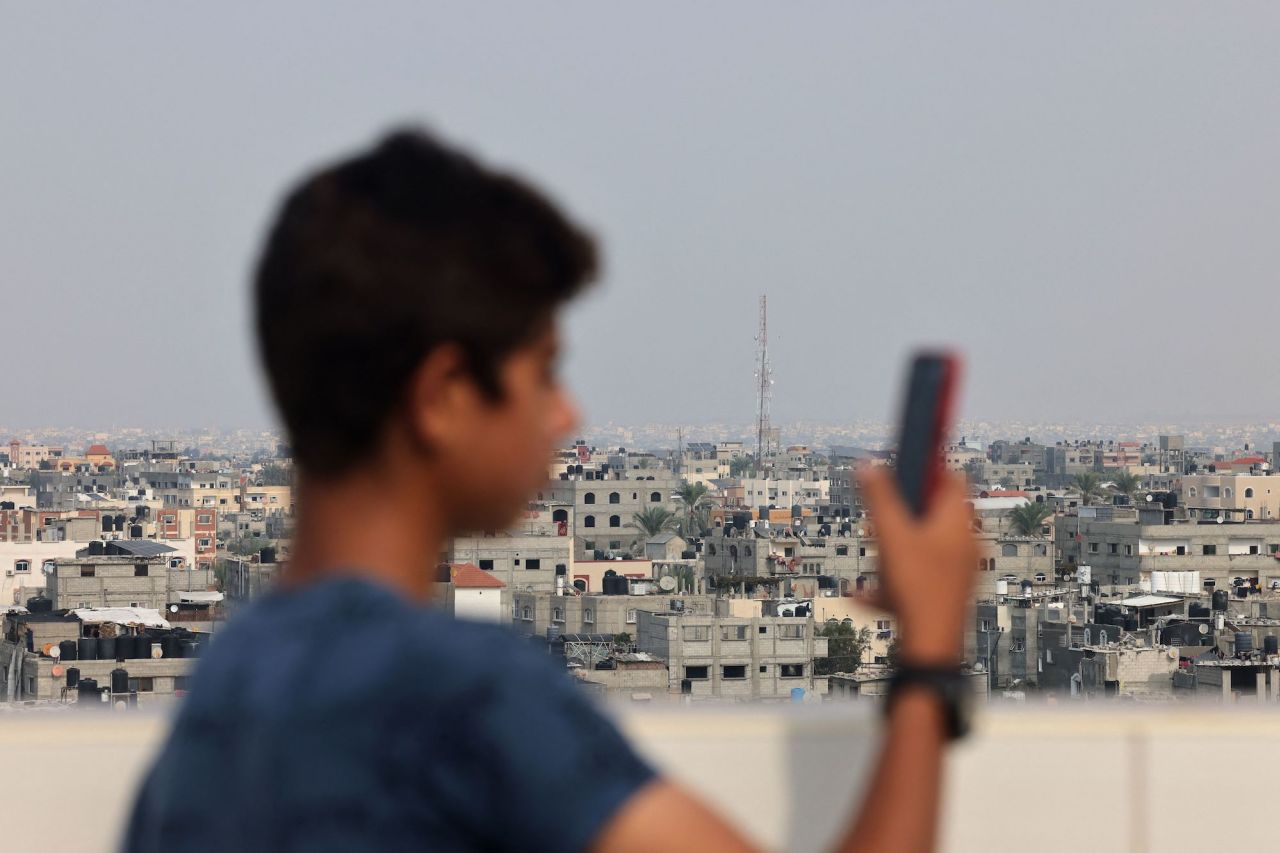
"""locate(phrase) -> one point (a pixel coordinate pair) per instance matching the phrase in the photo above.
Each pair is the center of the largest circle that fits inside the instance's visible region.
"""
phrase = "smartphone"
(926, 416)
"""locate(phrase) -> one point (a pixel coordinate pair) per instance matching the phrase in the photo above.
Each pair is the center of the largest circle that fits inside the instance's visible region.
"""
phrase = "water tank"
(1271, 644)
(119, 680)
(142, 648)
(40, 604)
(87, 648)
(802, 610)
(190, 648)
(1220, 599)
(67, 650)
(1026, 587)
(1244, 642)
(1242, 592)
(169, 645)
(267, 555)
(125, 647)
(1002, 587)
(73, 676)
(106, 648)
(87, 693)
(97, 547)
(1131, 623)
(1198, 611)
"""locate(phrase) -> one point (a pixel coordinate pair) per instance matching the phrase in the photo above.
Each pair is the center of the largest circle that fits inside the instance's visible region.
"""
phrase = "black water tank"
(1271, 644)
(142, 647)
(169, 645)
(189, 648)
(267, 555)
(1244, 642)
(1220, 599)
(119, 680)
(1242, 592)
(40, 604)
(67, 650)
(125, 647)
(1131, 623)
(87, 648)
(87, 693)
(73, 676)
(106, 648)
(1198, 611)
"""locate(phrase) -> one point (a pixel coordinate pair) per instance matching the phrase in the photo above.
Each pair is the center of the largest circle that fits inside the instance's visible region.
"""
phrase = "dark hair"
(375, 261)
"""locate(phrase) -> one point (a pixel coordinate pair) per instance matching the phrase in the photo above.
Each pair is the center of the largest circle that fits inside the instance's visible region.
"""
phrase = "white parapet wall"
(1109, 780)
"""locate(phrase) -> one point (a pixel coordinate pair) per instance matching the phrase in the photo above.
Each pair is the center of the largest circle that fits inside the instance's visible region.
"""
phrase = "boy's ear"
(439, 392)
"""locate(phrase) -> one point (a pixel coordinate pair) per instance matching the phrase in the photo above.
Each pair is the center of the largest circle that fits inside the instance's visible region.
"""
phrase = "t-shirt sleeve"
(525, 761)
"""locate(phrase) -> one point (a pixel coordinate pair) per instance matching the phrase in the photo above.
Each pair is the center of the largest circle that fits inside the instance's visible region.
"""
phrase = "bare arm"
(927, 569)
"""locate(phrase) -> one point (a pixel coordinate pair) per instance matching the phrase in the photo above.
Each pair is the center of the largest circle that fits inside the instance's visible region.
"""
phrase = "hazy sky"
(1084, 197)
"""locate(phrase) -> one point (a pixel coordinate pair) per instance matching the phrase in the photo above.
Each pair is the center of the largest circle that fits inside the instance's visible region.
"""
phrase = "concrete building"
(542, 613)
(1238, 497)
(137, 574)
(710, 657)
(31, 455)
(472, 593)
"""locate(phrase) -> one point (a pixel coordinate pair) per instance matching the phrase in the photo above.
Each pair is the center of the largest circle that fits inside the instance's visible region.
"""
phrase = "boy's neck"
(385, 529)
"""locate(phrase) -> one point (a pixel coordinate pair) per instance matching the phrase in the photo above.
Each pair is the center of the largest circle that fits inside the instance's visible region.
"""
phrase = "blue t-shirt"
(341, 717)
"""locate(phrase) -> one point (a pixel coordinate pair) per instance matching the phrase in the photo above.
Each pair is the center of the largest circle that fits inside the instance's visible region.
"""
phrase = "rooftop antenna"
(764, 381)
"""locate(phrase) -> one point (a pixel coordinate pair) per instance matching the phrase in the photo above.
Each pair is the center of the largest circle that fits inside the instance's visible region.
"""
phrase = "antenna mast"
(764, 381)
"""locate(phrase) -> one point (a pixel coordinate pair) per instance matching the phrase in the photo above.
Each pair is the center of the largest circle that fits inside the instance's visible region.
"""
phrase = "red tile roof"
(97, 450)
(1247, 461)
(468, 576)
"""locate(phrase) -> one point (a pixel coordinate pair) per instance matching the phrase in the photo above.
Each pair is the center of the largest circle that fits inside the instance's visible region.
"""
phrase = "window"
(589, 544)
(1093, 547)
(615, 498)
(1019, 645)
(1113, 548)
(180, 682)
(764, 669)
(696, 633)
(203, 518)
(791, 632)
(527, 614)
(1210, 550)
(1128, 550)
(734, 672)
(655, 497)
(205, 543)
(631, 616)
(1009, 550)
(142, 685)
(557, 615)
(984, 626)
(615, 544)
(733, 632)
(532, 565)
(884, 625)
(615, 521)
(862, 552)
(764, 629)
(588, 616)
(22, 565)
(589, 521)
(1248, 493)
(1181, 550)
(487, 565)
(88, 571)
(791, 670)
(695, 673)
(589, 498)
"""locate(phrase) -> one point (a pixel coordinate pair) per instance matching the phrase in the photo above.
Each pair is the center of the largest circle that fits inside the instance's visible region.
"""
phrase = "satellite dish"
(47, 568)
(1204, 629)
(54, 652)
(667, 583)
(157, 652)
(1221, 519)
(173, 608)
(1150, 497)
(58, 672)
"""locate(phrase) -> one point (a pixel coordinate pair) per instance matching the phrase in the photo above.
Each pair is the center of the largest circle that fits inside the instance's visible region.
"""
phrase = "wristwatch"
(947, 684)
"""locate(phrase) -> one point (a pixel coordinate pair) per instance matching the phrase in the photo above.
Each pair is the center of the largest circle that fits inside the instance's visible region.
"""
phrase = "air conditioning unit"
(8, 573)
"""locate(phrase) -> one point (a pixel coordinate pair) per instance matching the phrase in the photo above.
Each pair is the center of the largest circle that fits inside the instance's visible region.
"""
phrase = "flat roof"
(1148, 601)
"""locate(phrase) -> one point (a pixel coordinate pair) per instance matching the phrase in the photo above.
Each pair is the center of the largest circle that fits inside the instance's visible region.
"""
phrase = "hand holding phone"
(926, 415)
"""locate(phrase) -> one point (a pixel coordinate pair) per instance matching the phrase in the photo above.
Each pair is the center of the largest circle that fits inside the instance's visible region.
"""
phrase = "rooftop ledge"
(1044, 779)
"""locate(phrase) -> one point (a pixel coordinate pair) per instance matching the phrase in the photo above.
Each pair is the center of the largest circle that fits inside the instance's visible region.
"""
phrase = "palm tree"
(653, 520)
(696, 504)
(1127, 484)
(741, 465)
(1088, 484)
(1027, 519)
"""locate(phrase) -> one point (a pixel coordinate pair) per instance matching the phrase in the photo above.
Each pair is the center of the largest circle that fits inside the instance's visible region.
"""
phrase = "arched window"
(614, 498)
(1226, 493)
(560, 515)
(1191, 492)
(1041, 550)
(615, 521)
(1008, 550)
(655, 497)
(1248, 493)
(589, 498)
(589, 521)
(1248, 514)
